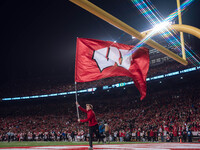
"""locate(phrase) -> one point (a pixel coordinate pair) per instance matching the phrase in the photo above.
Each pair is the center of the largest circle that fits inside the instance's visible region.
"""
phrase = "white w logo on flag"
(109, 56)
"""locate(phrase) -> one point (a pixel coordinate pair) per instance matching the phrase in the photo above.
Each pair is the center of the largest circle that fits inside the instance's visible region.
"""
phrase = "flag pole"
(76, 95)
(76, 99)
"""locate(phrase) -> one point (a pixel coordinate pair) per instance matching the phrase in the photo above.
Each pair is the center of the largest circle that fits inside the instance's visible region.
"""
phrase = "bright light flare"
(161, 26)
(133, 37)
(151, 13)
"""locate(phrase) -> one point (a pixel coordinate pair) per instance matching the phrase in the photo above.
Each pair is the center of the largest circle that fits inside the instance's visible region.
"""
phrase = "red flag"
(96, 59)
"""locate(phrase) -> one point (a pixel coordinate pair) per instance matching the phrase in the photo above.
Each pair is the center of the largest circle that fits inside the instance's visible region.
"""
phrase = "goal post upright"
(181, 33)
(85, 4)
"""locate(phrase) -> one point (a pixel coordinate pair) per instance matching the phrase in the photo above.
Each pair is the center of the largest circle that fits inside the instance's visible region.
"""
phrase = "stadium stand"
(165, 115)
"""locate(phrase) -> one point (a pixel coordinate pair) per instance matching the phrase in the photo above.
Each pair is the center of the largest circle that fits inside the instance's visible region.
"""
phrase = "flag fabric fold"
(97, 59)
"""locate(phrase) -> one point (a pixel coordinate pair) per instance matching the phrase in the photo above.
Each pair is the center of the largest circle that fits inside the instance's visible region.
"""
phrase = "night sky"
(38, 37)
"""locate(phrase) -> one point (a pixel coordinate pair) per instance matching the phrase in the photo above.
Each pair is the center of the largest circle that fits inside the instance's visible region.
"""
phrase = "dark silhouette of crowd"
(40, 86)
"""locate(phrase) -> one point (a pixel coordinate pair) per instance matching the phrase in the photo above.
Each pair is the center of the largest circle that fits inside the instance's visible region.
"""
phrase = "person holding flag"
(91, 119)
(97, 59)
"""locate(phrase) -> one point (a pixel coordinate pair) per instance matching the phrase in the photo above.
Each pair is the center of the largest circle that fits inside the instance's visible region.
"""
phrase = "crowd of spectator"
(167, 115)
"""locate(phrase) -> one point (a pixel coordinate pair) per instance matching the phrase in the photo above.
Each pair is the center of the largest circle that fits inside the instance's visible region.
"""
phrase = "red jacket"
(90, 116)
(151, 133)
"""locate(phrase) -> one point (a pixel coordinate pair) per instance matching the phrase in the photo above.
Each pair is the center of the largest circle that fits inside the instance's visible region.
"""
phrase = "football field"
(111, 146)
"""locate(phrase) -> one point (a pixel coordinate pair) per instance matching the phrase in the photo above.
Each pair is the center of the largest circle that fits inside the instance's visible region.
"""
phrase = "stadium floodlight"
(161, 26)
(156, 28)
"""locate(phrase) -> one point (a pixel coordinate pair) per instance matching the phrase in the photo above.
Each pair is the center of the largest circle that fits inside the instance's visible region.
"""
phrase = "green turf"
(42, 143)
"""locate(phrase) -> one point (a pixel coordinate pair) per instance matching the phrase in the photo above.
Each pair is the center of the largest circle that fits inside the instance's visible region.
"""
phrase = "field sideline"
(53, 143)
